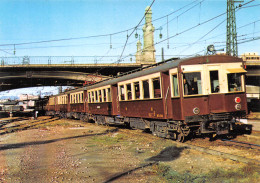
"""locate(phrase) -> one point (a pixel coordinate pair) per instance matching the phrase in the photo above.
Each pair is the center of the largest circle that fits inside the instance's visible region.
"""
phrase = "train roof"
(161, 67)
(166, 65)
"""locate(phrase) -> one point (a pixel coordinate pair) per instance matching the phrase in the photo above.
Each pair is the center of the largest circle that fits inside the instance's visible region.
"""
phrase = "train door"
(115, 100)
(214, 87)
(175, 94)
(194, 90)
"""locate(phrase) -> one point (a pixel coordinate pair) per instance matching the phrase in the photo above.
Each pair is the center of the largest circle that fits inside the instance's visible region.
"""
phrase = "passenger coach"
(176, 98)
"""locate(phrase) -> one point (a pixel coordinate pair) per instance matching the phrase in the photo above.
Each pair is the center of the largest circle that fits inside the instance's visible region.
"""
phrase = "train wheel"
(180, 137)
(174, 136)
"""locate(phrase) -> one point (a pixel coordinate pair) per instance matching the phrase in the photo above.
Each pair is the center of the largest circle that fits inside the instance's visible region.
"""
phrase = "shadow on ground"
(24, 144)
(168, 154)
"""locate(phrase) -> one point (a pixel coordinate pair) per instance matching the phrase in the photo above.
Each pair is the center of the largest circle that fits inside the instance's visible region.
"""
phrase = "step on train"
(177, 98)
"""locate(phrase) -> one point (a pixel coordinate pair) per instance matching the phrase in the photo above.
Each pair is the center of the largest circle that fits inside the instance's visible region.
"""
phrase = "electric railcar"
(173, 99)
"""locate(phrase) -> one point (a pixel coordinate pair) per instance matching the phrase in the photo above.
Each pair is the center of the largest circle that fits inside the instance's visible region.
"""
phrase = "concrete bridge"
(40, 71)
(22, 72)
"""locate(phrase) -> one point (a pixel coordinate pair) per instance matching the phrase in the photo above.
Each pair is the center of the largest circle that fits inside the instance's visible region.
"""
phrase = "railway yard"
(50, 149)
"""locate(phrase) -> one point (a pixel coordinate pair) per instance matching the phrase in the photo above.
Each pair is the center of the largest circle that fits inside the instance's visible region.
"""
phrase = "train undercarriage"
(207, 125)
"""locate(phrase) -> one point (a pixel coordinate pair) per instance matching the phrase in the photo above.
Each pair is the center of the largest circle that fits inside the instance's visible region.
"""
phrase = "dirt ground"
(62, 150)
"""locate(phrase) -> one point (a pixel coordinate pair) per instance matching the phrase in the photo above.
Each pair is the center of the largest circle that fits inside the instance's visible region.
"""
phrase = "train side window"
(175, 85)
(214, 82)
(93, 97)
(146, 89)
(99, 96)
(234, 82)
(156, 87)
(137, 90)
(89, 97)
(108, 95)
(122, 92)
(104, 96)
(129, 91)
(96, 96)
(192, 83)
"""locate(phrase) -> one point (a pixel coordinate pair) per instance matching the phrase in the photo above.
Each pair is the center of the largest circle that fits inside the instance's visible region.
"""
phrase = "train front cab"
(212, 96)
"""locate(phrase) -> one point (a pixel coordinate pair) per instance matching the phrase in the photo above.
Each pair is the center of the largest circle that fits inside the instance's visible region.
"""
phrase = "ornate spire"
(138, 55)
(148, 53)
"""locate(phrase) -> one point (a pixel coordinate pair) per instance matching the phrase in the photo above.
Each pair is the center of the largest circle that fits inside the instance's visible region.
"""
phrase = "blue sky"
(25, 21)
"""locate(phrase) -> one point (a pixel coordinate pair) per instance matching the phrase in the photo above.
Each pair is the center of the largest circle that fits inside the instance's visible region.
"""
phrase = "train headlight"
(237, 100)
(196, 110)
(238, 106)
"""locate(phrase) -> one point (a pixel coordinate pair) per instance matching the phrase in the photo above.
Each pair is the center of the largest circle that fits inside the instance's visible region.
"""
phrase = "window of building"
(214, 82)
(192, 83)
(137, 90)
(175, 85)
(156, 87)
(234, 82)
(129, 91)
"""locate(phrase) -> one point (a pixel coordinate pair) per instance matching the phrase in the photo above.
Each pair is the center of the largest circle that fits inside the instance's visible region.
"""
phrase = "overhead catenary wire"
(205, 34)
(135, 29)
(86, 37)
(107, 34)
(92, 36)
(195, 26)
(168, 38)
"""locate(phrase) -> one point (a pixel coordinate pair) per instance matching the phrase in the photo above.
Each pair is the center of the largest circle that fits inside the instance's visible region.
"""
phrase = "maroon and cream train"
(177, 98)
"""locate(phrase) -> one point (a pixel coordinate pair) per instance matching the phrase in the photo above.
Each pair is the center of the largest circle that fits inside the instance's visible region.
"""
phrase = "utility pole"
(231, 42)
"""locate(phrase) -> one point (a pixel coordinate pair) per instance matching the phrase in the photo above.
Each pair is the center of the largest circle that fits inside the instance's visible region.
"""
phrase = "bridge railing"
(53, 60)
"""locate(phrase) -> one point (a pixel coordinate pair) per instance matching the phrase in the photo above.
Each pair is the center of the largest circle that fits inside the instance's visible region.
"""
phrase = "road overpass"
(22, 72)
(14, 76)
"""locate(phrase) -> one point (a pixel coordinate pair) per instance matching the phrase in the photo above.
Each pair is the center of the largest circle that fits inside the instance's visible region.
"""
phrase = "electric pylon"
(231, 44)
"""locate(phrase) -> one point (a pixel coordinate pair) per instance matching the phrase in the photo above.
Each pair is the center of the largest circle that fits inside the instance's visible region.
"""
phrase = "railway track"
(11, 125)
(207, 150)
(224, 155)
(241, 144)
(140, 133)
